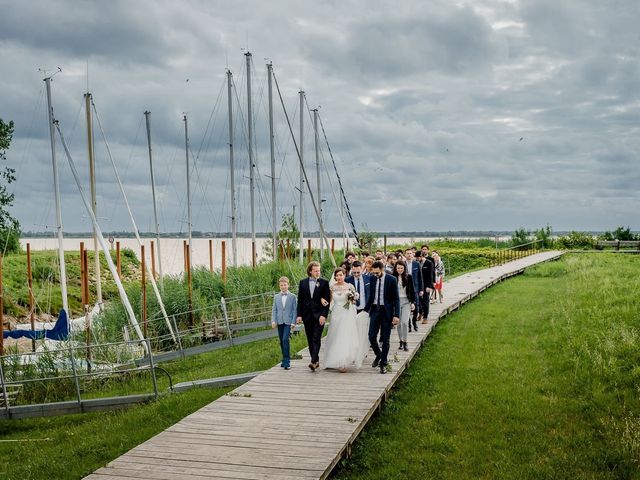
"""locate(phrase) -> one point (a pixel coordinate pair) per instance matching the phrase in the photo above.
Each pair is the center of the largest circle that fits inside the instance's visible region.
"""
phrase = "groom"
(383, 306)
(313, 307)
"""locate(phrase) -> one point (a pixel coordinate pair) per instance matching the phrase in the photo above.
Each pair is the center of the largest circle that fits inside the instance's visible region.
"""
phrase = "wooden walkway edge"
(291, 424)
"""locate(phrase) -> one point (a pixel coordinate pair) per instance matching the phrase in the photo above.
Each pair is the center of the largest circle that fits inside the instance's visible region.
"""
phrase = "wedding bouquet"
(352, 297)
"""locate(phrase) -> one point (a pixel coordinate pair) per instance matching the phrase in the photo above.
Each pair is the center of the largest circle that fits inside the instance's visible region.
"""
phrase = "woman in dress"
(347, 341)
(439, 265)
(407, 295)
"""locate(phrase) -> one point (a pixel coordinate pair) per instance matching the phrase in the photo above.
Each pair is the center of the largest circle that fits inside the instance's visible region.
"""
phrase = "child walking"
(283, 316)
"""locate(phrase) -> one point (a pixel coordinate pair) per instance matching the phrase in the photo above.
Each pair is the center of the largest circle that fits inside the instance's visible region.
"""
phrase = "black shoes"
(405, 347)
(376, 362)
(383, 369)
(401, 345)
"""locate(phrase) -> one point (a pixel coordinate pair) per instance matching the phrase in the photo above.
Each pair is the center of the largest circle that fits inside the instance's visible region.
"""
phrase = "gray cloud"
(425, 106)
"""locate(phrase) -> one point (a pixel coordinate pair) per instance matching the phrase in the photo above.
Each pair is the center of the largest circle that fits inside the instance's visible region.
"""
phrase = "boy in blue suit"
(283, 316)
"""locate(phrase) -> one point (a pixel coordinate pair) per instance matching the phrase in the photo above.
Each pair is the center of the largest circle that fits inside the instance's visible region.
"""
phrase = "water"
(172, 249)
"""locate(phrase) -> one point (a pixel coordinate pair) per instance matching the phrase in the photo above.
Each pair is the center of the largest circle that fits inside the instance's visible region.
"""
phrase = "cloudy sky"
(469, 115)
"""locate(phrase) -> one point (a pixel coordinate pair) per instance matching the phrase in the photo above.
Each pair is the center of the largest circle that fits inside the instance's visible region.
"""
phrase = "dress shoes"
(312, 366)
(376, 362)
(405, 347)
(383, 369)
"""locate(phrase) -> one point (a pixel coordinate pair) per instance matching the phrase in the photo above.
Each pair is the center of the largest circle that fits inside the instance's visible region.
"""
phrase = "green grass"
(82, 443)
(73, 446)
(538, 378)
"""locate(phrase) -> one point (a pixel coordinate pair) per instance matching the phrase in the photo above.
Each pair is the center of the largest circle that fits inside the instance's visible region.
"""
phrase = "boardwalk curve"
(292, 424)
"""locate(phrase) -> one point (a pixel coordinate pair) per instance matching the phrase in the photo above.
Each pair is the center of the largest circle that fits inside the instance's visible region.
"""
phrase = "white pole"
(301, 93)
(147, 115)
(94, 203)
(273, 166)
(234, 228)
(56, 189)
(251, 159)
(315, 129)
(103, 243)
(186, 148)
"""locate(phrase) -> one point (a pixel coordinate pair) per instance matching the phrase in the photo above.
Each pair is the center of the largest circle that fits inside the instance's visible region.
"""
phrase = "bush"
(9, 241)
(576, 240)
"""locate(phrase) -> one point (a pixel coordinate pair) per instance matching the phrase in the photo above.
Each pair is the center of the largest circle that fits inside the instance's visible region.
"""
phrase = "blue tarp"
(60, 330)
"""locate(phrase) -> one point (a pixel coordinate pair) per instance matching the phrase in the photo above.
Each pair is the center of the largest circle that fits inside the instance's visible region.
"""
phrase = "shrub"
(576, 240)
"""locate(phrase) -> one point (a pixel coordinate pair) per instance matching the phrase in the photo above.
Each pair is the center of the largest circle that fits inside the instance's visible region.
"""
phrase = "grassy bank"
(536, 379)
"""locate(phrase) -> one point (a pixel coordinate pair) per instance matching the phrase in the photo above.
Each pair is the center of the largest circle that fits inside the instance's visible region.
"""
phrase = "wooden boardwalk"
(292, 424)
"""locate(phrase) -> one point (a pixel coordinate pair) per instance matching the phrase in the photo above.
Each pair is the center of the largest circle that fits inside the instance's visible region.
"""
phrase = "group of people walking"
(365, 301)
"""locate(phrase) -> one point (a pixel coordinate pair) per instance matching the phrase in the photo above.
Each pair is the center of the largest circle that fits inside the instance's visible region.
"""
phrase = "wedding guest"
(392, 258)
(413, 269)
(379, 255)
(439, 268)
(283, 316)
(350, 257)
(407, 295)
(428, 283)
(347, 266)
(383, 307)
(368, 262)
(360, 281)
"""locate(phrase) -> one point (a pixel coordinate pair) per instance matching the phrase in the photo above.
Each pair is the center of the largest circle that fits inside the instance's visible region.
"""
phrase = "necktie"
(358, 290)
(380, 290)
(312, 286)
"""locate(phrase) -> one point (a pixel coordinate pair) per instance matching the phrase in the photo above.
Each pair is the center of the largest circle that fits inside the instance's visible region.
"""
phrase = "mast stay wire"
(208, 134)
(112, 268)
(325, 169)
(109, 221)
(338, 203)
(133, 222)
(304, 172)
(344, 197)
(259, 176)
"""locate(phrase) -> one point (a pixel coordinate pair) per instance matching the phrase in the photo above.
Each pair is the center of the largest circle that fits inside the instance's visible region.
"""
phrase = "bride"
(347, 341)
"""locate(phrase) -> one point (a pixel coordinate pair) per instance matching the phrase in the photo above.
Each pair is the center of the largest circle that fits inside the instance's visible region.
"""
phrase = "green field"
(538, 378)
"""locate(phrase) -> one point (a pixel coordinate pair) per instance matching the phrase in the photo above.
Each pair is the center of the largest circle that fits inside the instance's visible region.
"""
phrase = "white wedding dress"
(347, 341)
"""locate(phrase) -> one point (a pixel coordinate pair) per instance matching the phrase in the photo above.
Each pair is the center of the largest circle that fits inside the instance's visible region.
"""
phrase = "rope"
(344, 197)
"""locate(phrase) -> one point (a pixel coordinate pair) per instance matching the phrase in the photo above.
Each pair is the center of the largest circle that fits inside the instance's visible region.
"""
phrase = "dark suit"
(414, 270)
(365, 279)
(310, 309)
(381, 317)
(428, 280)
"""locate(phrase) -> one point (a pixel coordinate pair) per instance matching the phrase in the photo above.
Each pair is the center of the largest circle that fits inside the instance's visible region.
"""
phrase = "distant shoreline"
(426, 234)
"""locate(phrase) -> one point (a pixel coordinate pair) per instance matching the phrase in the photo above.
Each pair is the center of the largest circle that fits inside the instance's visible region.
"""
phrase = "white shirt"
(380, 291)
(283, 296)
(359, 283)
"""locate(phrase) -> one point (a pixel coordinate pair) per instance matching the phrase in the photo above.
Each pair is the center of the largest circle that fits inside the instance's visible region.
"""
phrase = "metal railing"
(516, 252)
(64, 375)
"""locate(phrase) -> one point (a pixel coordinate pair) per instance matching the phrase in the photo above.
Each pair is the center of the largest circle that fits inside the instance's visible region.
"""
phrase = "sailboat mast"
(234, 228)
(56, 189)
(186, 148)
(147, 117)
(315, 130)
(251, 161)
(301, 93)
(273, 165)
(94, 203)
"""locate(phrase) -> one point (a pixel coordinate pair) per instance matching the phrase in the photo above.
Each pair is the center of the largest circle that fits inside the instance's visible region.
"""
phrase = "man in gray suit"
(283, 316)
